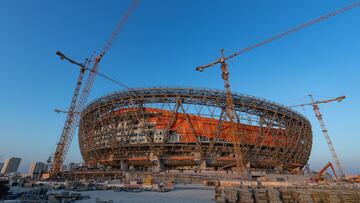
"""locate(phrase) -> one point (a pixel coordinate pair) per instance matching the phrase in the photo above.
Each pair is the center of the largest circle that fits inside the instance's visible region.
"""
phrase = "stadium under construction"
(157, 129)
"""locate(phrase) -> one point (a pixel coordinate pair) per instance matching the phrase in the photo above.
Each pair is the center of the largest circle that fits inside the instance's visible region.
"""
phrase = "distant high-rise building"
(63, 167)
(46, 168)
(11, 165)
(71, 166)
(36, 168)
(1, 165)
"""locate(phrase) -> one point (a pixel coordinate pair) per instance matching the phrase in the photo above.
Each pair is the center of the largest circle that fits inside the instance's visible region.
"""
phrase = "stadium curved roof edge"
(236, 96)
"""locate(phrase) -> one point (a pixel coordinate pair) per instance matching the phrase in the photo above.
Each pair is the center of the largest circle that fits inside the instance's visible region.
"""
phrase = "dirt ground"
(181, 194)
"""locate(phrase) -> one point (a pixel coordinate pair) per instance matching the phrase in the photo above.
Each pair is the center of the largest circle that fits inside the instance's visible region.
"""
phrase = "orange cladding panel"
(189, 127)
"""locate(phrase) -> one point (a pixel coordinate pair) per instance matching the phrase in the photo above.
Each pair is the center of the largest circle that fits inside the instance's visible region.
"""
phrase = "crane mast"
(81, 104)
(326, 135)
(318, 115)
(236, 135)
(65, 137)
(78, 102)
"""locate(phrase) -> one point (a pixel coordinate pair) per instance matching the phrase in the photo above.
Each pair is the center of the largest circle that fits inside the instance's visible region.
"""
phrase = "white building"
(11, 165)
(36, 169)
(71, 166)
(63, 167)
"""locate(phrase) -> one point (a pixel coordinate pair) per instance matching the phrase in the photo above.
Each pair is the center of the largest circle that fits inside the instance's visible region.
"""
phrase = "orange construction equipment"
(317, 178)
(355, 179)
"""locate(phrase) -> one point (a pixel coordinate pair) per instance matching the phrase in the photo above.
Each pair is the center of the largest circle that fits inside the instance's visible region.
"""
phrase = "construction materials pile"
(305, 194)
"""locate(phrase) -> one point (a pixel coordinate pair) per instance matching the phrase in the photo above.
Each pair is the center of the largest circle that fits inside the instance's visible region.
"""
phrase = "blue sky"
(160, 45)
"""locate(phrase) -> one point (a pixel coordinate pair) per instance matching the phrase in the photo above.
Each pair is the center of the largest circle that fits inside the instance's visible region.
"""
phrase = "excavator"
(317, 177)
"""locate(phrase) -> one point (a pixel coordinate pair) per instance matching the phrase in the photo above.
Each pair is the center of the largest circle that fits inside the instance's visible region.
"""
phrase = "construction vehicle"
(230, 111)
(318, 115)
(355, 179)
(79, 98)
(317, 177)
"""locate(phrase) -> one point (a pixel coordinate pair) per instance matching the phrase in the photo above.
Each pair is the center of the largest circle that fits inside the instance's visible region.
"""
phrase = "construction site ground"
(182, 194)
(301, 194)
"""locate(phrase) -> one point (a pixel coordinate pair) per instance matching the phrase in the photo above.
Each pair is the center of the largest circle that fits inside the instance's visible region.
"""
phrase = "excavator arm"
(329, 164)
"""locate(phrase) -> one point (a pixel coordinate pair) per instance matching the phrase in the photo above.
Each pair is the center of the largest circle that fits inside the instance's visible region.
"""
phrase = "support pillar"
(124, 166)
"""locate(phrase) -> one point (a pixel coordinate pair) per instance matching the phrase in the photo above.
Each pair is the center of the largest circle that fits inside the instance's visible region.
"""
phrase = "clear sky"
(160, 45)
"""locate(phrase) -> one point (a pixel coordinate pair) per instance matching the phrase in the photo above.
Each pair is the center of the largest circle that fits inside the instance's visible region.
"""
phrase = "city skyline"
(165, 46)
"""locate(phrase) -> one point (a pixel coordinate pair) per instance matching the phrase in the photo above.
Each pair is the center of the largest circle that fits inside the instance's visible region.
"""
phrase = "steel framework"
(120, 130)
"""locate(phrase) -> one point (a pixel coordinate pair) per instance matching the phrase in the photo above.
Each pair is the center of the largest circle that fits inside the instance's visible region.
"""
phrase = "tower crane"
(315, 105)
(79, 99)
(232, 116)
(225, 73)
(65, 137)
